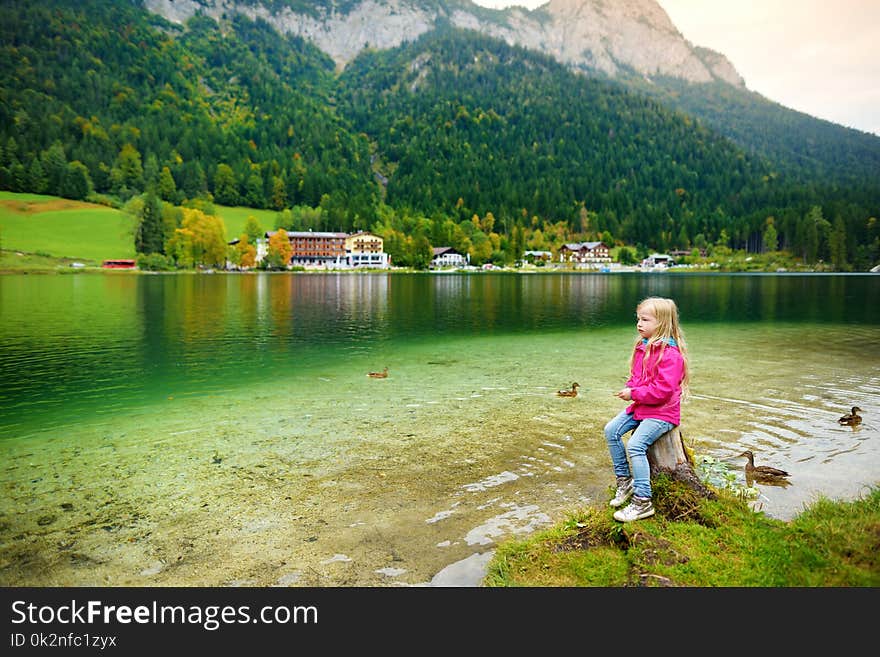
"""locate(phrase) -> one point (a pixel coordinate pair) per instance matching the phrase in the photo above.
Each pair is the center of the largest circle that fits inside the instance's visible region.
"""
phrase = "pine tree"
(150, 234)
(55, 166)
(128, 172)
(837, 245)
(167, 188)
(37, 177)
(771, 239)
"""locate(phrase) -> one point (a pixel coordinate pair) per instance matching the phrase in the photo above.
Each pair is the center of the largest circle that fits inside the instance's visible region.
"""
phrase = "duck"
(852, 418)
(572, 392)
(379, 375)
(762, 471)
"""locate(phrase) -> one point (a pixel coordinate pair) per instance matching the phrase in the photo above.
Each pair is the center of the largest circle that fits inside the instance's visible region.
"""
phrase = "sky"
(821, 57)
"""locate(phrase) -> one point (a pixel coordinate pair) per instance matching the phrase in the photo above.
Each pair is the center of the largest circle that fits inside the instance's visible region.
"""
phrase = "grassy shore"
(695, 542)
(18, 262)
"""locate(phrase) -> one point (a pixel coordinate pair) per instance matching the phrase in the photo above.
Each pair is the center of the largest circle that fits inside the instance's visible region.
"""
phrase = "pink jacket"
(656, 394)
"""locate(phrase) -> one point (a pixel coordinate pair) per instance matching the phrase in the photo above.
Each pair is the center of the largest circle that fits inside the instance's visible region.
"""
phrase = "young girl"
(658, 381)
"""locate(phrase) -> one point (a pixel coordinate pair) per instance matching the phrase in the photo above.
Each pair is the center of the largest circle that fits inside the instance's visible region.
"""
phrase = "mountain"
(597, 36)
(453, 137)
(632, 41)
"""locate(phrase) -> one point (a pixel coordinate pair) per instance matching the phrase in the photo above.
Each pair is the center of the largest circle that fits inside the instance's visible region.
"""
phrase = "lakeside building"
(364, 249)
(585, 253)
(537, 256)
(317, 249)
(658, 261)
(446, 256)
(328, 250)
(679, 253)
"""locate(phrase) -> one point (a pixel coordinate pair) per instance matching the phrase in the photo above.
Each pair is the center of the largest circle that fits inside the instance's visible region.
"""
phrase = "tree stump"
(669, 455)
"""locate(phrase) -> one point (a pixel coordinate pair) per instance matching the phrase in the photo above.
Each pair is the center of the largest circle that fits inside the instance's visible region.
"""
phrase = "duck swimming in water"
(760, 472)
(379, 375)
(852, 418)
(573, 392)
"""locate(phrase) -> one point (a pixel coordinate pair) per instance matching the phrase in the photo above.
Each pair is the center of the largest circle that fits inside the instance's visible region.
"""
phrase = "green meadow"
(50, 227)
(235, 217)
(60, 228)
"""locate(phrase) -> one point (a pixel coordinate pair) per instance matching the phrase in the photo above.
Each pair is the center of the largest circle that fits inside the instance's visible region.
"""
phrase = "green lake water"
(221, 430)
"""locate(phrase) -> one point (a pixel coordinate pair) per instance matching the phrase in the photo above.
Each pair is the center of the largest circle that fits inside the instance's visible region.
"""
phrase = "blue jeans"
(645, 432)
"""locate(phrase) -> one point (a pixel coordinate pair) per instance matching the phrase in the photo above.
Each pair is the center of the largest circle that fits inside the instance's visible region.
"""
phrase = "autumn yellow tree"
(243, 254)
(180, 248)
(200, 240)
(279, 249)
(487, 225)
(535, 241)
(279, 193)
(481, 251)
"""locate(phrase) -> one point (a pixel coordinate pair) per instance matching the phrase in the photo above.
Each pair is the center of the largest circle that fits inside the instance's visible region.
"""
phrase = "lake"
(221, 430)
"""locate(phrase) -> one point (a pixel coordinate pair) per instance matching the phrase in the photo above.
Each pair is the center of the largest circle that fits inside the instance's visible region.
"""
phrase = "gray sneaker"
(640, 507)
(624, 491)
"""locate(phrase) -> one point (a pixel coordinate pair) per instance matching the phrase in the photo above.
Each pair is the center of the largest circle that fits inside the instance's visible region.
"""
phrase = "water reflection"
(132, 339)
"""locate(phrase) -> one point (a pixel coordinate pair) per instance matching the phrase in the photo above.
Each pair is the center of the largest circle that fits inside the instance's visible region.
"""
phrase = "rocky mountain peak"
(610, 37)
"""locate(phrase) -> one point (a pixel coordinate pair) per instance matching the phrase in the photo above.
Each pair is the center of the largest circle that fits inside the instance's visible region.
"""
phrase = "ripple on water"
(491, 481)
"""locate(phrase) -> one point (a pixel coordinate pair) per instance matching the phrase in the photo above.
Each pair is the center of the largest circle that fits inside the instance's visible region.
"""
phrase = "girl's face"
(646, 323)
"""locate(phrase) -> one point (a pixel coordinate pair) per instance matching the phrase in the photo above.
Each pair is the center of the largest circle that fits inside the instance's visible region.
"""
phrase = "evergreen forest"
(453, 139)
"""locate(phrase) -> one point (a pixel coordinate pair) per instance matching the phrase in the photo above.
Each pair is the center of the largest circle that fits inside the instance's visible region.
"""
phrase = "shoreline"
(69, 269)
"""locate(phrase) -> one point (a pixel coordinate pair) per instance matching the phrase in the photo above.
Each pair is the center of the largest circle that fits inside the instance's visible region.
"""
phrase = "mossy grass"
(695, 542)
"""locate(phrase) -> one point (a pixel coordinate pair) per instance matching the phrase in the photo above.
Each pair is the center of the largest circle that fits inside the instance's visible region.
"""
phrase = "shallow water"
(223, 432)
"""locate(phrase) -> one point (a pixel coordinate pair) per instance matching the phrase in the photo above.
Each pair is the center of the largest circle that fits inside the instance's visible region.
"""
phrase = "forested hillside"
(240, 112)
(470, 125)
(808, 149)
(454, 139)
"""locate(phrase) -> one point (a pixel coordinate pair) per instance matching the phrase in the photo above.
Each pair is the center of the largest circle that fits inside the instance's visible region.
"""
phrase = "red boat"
(119, 264)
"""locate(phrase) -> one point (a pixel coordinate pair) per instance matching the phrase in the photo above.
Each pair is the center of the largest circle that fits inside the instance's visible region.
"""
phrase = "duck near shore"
(760, 472)
(379, 375)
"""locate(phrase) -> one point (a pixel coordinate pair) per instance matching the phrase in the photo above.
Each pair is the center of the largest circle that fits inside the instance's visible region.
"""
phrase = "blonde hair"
(666, 313)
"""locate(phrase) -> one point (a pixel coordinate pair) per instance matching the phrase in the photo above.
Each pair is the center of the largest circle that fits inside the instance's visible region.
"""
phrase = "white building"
(364, 249)
(446, 256)
(658, 261)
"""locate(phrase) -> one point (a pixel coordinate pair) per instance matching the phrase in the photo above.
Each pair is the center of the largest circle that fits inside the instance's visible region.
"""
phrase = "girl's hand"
(625, 394)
